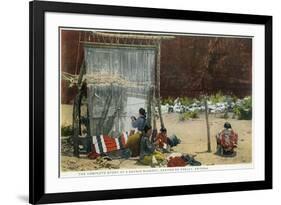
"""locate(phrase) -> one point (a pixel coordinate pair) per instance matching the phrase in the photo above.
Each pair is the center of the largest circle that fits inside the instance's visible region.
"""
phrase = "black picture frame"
(37, 128)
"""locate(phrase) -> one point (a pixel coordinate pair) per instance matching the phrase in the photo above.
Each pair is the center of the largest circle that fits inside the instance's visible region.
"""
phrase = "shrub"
(169, 100)
(188, 115)
(218, 97)
(244, 110)
(186, 101)
(66, 130)
(193, 114)
(234, 98)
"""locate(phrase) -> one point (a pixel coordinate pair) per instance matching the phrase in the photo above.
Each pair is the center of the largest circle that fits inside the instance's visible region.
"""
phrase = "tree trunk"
(158, 85)
(149, 105)
(76, 115)
(76, 123)
(208, 127)
(153, 100)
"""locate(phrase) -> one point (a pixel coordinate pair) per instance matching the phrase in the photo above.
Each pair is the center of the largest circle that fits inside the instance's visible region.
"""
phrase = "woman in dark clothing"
(140, 122)
(227, 141)
(148, 154)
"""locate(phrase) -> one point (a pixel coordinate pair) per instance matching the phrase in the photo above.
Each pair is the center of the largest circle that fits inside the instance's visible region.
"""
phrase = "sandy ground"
(193, 134)
(66, 114)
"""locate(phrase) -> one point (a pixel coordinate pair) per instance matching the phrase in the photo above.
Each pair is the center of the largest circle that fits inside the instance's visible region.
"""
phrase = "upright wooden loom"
(120, 39)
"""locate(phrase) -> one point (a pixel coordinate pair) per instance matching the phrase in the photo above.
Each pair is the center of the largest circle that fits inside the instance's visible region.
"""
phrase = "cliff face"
(189, 65)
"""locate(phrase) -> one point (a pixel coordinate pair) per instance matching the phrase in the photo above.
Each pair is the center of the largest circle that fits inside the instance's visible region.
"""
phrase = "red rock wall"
(183, 64)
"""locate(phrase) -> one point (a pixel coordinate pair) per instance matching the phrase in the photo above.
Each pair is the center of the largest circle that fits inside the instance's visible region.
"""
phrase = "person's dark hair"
(163, 129)
(147, 127)
(142, 111)
(227, 125)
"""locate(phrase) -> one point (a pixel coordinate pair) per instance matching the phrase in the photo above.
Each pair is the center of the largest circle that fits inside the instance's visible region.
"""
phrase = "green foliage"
(188, 115)
(234, 98)
(66, 130)
(186, 101)
(218, 97)
(169, 100)
(193, 114)
(244, 110)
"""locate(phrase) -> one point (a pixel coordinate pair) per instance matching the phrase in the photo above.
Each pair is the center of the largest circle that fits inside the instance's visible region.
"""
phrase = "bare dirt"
(193, 134)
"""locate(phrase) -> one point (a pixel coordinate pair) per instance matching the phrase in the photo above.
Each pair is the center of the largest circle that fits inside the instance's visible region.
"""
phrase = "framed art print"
(139, 102)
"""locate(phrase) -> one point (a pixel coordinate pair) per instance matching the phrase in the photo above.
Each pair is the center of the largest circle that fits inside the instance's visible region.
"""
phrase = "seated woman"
(148, 153)
(139, 122)
(133, 143)
(226, 141)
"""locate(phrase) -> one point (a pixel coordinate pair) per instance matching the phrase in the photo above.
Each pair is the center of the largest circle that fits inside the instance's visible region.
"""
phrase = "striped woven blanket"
(104, 143)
